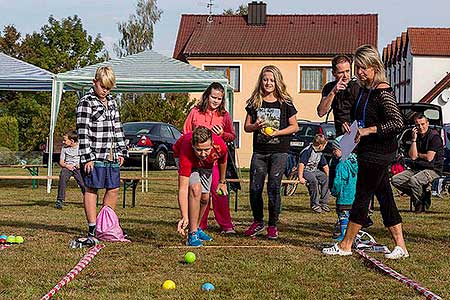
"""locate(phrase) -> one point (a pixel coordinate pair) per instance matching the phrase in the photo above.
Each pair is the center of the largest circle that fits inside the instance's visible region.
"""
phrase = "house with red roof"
(418, 67)
(302, 46)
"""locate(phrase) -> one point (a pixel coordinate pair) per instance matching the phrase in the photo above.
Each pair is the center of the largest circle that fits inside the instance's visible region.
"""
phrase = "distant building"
(302, 46)
(418, 66)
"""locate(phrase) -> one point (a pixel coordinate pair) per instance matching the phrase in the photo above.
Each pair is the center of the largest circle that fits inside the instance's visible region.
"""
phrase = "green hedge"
(9, 133)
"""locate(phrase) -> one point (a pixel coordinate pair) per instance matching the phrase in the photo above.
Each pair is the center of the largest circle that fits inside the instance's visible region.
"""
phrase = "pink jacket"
(209, 119)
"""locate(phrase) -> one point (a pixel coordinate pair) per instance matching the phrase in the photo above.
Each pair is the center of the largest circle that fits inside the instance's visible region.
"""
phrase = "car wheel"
(160, 160)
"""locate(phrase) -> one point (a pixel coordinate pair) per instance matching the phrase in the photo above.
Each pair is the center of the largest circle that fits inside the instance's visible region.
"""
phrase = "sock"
(91, 230)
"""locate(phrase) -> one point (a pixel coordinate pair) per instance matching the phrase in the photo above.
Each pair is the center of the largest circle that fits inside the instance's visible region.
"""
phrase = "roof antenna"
(210, 5)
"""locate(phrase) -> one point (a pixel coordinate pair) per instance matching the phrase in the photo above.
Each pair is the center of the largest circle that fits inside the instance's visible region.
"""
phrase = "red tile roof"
(436, 90)
(282, 35)
(429, 41)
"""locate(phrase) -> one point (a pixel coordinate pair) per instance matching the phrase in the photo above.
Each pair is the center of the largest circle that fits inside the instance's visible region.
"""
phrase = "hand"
(340, 86)
(121, 160)
(222, 189)
(182, 225)
(346, 127)
(414, 134)
(217, 129)
(70, 167)
(88, 167)
(361, 132)
(302, 180)
(272, 133)
(259, 124)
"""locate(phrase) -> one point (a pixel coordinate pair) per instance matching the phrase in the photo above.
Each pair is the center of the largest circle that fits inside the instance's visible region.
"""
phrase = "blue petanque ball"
(207, 287)
(4, 237)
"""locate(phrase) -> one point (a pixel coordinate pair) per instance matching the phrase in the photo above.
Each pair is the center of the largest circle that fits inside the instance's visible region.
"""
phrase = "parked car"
(305, 135)
(157, 137)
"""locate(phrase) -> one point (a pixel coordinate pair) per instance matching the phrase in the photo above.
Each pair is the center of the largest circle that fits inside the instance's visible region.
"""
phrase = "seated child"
(309, 173)
(344, 186)
(70, 166)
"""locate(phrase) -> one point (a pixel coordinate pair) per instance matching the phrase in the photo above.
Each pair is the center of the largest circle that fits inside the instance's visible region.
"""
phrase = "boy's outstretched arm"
(222, 186)
(183, 193)
(301, 168)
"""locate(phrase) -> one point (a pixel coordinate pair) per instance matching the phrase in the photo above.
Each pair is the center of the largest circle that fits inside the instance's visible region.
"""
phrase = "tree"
(59, 46)
(137, 32)
(242, 10)
(150, 107)
(10, 41)
(62, 46)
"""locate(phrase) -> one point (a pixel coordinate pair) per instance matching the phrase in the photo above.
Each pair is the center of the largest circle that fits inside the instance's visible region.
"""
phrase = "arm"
(188, 126)
(62, 158)
(327, 99)
(326, 170)
(84, 115)
(301, 168)
(228, 134)
(222, 186)
(120, 136)
(183, 191)
(413, 153)
(393, 123)
(290, 129)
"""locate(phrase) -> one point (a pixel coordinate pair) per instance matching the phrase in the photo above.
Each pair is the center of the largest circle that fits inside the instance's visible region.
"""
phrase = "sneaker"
(272, 232)
(203, 236)
(335, 250)
(228, 231)
(59, 204)
(419, 208)
(193, 240)
(325, 207)
(316, 208)
(397, 253)
(84, 242)
(254, 229)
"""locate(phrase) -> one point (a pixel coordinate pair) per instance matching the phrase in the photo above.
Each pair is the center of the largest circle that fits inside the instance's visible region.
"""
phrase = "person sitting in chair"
(427, 155)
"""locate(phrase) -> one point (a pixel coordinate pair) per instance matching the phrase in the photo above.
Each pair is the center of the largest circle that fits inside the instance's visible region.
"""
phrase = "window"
(312, 79)
(237, 130)
(233, 73)
(176, 133)
(165, 132)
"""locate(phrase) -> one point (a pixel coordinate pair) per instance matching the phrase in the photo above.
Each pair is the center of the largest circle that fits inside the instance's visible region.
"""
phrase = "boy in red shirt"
(197, 151)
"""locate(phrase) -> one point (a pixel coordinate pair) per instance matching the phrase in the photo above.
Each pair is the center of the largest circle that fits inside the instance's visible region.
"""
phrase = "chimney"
(257, 13)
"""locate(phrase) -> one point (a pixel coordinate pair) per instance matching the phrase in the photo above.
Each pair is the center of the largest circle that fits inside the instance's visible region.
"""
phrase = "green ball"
(19, 239)
(189, 257)
(11, 239)
(220, 193)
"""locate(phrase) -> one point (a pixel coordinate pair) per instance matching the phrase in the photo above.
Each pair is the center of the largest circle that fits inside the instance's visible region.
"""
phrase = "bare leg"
(350, 234)
(195, 194)
(397, 235)
(204, 202)
(90, 208)
(110, 198)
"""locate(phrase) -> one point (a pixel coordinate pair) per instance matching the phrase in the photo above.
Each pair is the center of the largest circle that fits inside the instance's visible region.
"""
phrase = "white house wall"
(427, 72)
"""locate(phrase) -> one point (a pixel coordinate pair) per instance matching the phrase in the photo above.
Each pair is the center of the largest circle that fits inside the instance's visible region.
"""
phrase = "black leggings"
(372, 180)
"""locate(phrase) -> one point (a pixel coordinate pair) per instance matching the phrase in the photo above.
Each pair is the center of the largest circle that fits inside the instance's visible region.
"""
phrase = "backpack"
(108, 227)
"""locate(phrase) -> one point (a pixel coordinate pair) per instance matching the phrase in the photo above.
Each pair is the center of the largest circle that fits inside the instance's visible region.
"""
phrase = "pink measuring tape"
(74, 272)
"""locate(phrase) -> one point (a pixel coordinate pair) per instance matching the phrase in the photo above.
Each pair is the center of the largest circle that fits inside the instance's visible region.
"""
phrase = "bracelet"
(413, 141)
(223, 181)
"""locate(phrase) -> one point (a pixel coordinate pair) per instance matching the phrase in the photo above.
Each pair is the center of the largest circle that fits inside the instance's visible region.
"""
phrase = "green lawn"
(137, 270)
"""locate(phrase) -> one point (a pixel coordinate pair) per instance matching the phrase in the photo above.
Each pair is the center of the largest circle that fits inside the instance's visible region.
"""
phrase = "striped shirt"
(99, 129)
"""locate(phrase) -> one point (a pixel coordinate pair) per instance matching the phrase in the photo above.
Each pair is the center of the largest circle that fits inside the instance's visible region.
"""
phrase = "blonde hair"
(367, 56)
(280, 88)
(106, 76)
(319, 140)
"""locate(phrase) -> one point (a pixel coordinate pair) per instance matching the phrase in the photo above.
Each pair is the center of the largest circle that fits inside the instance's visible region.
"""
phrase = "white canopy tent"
(147, 71)
(17, 75)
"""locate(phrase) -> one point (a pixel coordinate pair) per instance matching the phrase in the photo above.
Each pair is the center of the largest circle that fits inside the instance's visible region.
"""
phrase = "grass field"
(136, 270)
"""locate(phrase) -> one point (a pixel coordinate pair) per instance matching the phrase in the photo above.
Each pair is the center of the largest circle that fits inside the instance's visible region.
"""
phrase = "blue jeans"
(273, 165)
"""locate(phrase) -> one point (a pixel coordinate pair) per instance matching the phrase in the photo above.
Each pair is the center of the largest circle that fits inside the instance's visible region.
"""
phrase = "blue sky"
(102, 16)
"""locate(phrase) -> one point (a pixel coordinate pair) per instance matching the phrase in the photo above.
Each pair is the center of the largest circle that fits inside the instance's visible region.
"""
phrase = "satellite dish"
(445, 95)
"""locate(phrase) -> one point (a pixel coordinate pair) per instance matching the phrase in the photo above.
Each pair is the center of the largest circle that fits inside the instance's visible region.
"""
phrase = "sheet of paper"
(348, 141)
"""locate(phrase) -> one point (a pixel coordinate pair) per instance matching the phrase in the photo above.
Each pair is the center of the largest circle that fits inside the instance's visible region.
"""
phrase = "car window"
(139, 128)
(176, 133)
(165, 132)
(307, 130)
(329, 131)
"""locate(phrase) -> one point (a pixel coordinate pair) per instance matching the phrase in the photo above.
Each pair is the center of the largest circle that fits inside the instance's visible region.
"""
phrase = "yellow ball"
(168, 285)
(220, 193)
(19, 239)
(268, 130)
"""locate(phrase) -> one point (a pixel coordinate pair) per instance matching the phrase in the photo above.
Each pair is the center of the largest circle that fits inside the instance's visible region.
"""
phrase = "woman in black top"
(379, 121)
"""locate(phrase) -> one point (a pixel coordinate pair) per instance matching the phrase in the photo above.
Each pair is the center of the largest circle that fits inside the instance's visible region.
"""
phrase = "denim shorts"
(203, 176)
(105, 175)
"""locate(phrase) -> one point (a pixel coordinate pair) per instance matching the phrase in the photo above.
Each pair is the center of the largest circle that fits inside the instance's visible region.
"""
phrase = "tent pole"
(56, 98)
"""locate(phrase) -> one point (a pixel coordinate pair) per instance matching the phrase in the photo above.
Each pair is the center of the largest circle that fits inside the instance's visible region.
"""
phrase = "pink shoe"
(254, 229)
(272, 232)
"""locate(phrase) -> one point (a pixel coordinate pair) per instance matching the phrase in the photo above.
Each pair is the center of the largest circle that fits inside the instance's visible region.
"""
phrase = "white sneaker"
(335, 250)
(397, 253)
